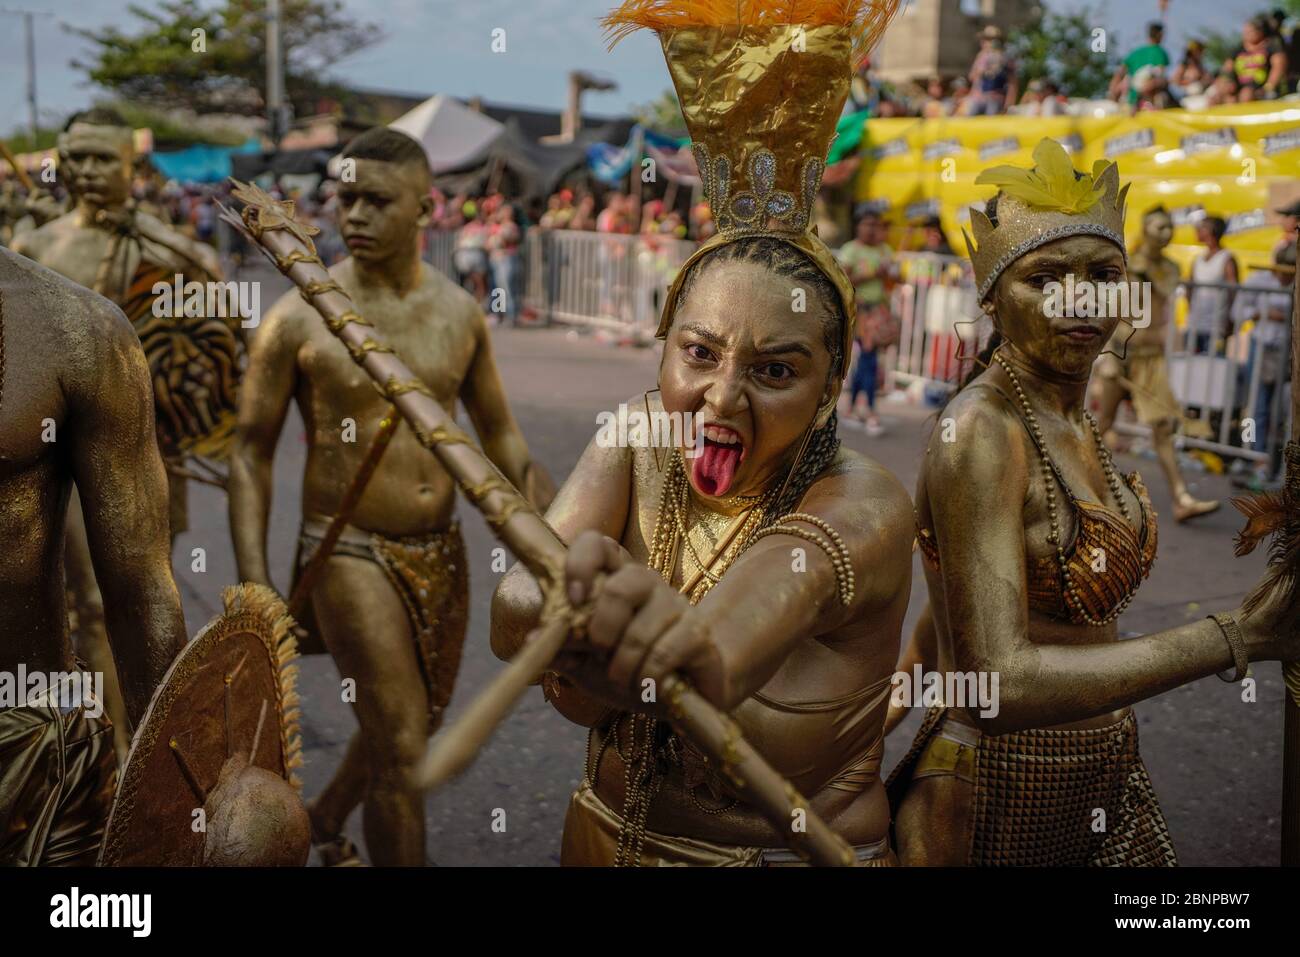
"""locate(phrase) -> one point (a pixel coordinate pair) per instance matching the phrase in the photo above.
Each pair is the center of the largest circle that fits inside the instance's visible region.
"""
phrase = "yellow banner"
(1238, 162)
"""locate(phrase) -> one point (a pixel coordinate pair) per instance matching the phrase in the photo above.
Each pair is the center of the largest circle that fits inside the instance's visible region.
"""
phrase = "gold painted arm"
(123, 487)
(976, 493)
(264, 399)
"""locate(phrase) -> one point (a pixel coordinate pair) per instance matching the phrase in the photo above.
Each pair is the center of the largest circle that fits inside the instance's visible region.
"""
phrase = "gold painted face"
(1159, 229)
(751, 367)
(98, 165)
(382, 211)
(1058, 345)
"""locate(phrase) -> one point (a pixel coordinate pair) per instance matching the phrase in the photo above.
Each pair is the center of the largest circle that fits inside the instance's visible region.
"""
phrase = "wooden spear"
(270, 224)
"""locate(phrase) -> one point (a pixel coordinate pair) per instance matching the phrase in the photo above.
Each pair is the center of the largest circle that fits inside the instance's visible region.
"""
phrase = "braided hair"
(789, 262)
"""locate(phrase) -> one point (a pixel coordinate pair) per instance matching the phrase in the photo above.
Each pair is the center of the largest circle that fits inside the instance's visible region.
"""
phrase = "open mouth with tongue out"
(714, 467)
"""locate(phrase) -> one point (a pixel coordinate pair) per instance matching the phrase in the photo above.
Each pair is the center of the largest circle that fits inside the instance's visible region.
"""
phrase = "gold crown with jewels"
(761, 85)
(1037, 206)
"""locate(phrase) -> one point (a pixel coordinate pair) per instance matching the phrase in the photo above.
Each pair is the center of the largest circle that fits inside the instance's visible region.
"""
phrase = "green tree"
(1063, 47)
(165, 62)
(663, 115)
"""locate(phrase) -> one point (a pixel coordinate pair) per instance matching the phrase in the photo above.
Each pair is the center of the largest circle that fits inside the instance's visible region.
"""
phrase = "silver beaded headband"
(1042, 239)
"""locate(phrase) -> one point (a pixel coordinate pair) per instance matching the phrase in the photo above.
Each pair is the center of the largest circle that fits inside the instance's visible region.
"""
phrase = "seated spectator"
(1151, 61)
(1259, 64)
(1031, 104)
(1190, 77)
(937, 102)
(584, 214)
(993, 76)
(1223, 90)
(1053, 101)
(960, 96)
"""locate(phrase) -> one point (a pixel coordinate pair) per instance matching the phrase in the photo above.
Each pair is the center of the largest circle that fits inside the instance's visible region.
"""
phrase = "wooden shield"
(230, 691)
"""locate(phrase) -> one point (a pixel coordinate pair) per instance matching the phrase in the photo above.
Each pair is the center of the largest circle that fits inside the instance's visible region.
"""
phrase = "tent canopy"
(533, 169)
(451, 133)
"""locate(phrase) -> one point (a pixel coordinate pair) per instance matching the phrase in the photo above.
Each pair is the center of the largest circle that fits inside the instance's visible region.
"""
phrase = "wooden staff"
(22, 174)
(1276, 516)
(271, 226)
(1291, 669)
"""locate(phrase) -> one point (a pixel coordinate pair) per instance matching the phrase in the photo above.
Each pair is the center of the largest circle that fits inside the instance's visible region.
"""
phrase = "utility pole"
(275, 116)
(31, 76)
(29, 30)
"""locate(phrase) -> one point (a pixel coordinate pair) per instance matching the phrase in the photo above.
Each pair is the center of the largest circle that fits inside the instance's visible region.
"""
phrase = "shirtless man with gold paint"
(392, 601)
(70, 363)
(95, 153)
(1143, 373)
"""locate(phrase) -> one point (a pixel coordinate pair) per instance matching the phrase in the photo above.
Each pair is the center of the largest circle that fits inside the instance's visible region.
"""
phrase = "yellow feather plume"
(866, 19)
(1051, 184)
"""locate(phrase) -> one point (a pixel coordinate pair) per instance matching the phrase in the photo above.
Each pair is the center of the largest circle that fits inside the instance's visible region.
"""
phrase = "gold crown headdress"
(1039, 205)
(761, 84)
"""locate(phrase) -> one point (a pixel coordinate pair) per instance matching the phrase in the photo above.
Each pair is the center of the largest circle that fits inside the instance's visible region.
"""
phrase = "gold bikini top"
(1104, 564)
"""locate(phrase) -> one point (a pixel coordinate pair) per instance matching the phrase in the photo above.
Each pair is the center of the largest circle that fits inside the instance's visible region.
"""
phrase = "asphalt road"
(1214, 759)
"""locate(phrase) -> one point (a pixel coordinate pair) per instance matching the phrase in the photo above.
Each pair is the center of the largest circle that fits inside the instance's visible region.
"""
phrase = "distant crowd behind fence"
(618, 282)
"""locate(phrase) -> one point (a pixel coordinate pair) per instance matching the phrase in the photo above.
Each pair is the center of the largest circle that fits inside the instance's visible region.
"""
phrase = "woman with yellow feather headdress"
(766, 563)
(1033, 546)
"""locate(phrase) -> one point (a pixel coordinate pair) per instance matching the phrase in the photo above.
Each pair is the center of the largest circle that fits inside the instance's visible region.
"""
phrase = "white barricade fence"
(605, 280)
(439, 245)
(934, 300)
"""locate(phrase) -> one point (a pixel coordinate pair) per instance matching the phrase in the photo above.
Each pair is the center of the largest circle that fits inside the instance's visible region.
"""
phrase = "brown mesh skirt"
(1053, 798)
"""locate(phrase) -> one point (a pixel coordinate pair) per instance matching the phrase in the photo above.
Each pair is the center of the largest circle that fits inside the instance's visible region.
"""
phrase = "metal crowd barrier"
(601, 280)
(933, 299)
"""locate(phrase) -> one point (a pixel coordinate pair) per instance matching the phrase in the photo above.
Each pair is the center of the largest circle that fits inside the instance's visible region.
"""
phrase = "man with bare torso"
(76, 407)
(392, 599)
(105, 245)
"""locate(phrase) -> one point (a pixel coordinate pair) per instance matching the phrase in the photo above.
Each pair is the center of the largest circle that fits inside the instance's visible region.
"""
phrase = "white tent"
(452, 134)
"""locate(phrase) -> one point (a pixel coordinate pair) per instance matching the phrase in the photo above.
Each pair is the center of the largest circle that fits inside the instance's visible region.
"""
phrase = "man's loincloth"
(1147, 373)
(430, 574)
(1037, 794)
(58, 773)
(591, 830)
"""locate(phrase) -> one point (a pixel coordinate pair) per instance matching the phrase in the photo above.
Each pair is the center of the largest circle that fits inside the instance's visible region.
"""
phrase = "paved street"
(1215, 761)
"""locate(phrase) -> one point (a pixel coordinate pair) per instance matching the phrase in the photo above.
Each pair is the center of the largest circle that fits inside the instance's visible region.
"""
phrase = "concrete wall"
(938, 36)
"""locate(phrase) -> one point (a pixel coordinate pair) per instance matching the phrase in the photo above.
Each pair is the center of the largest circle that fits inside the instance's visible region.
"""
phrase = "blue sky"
(441, 46)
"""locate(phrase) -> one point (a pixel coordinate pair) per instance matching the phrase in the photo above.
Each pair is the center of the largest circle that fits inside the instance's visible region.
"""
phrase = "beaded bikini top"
(1103, 565)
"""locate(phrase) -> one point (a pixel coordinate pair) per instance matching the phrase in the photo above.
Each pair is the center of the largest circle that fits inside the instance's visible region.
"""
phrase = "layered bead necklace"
(1050, 472)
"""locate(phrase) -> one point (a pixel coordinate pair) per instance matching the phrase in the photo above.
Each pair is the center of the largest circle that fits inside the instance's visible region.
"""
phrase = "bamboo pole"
(272, 228)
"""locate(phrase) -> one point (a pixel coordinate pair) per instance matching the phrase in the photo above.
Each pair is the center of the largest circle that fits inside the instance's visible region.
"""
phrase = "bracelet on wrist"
(1236, 643)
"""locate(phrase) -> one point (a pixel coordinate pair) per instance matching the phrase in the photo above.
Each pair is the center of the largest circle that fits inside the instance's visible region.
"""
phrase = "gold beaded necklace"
(1051, 474)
